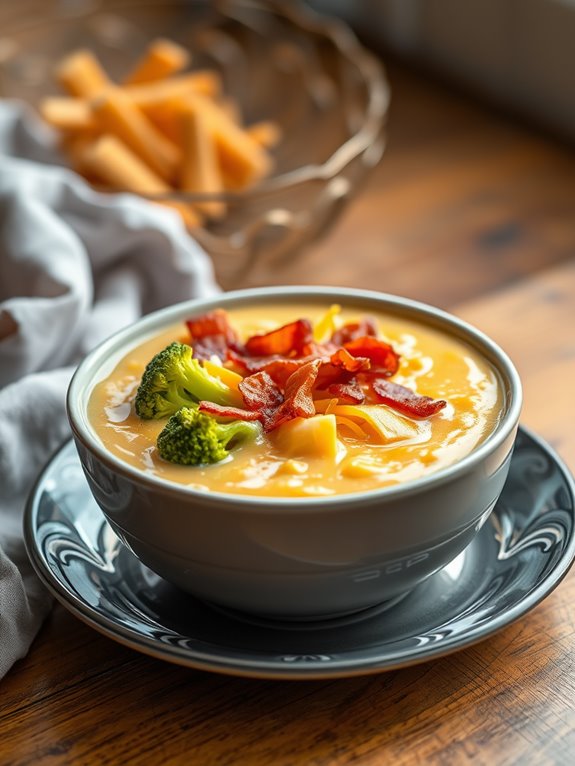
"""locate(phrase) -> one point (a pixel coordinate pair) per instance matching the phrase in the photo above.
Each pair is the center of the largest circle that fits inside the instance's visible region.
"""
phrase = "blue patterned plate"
(519, 556)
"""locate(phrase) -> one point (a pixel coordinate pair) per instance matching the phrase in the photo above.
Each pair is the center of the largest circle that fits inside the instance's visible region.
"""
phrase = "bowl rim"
(130, 336)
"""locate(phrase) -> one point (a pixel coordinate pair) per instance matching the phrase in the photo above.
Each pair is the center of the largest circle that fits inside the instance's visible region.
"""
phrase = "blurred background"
(440, 167)
(518, 53)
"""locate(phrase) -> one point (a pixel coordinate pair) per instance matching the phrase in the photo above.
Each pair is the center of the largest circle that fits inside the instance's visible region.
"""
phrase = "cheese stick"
(243, 162)
(81, 75)
(116, 113)
(266, 133)
(162, 59)
(155, 94)
(200, 170)
(68, 113)
(112, 162)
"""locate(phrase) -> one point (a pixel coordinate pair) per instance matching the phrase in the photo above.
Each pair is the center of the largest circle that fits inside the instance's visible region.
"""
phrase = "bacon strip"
(354, 330)
(288, 340)
(298, 400)
(228, 412)
(212, 335)
(279, 368)
(347, 361)
(315, 350)
(251, 364)
(213, 323)
(282, 368)
(384, 359)
(349, 392)
(261, 395)
(405, 400)
(340, 371)
(211, 345)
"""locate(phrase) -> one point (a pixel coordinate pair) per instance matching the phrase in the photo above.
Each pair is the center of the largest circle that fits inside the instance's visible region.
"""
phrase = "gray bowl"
(299, 558)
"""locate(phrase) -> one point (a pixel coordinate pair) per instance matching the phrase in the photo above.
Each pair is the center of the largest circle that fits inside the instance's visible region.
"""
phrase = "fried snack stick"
(243, 161)
(154, 99)
(74, 146)
(203, 81)
(69, 114)
(75, 114)
(158, 132)
(81, 75)
(200, 170)
(112, 162)
(162, 59)
(266, 133)
(116, 113)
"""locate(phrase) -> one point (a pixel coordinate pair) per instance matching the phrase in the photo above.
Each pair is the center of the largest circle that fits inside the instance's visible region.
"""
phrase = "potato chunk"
(309, 437)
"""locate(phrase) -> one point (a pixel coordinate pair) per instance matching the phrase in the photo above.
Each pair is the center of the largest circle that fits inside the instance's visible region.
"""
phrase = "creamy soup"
(337, 450)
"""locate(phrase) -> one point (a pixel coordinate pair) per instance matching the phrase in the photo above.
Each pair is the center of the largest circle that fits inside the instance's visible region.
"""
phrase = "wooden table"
(476, 214)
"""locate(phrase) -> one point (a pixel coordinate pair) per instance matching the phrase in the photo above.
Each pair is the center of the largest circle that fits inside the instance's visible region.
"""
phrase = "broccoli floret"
(191, 437)
(173, 379)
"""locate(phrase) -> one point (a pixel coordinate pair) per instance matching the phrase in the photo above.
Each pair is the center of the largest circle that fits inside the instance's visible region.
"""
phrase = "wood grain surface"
(473, 213)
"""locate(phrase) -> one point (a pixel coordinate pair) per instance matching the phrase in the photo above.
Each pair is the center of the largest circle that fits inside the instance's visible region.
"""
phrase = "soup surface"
(341, 449)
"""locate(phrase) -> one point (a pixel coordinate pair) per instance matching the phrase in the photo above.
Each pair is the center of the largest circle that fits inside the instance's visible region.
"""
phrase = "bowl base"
(330, 621)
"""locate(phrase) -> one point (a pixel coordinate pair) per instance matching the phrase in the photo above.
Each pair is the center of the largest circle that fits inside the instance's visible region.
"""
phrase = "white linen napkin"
(75, 266)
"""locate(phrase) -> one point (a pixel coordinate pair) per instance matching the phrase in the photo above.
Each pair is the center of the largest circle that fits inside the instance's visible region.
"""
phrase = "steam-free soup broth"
(340, 449)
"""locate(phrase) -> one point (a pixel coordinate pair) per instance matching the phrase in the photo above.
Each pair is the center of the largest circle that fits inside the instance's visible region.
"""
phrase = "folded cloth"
(75, 266)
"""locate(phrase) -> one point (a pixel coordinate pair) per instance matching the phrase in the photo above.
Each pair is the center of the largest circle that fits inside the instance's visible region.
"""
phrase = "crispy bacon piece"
(298, 399)
(212, 335)
(283, 367)
(354, 330)
(347, 361)
(289, 340)
(279, 368)
(210, 324)
(384, 359)
(329, 375)
(228, 412)
(405, 400)
(251, 364)
(261, 395)
(315, 350)
(340, 371)
(349, 392)
(211, 345)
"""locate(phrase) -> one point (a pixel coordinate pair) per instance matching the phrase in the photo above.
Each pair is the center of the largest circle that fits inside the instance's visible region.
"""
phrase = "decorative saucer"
(518, 557)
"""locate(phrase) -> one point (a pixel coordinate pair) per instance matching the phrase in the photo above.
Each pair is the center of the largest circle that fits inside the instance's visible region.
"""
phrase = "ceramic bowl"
(296, 558)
